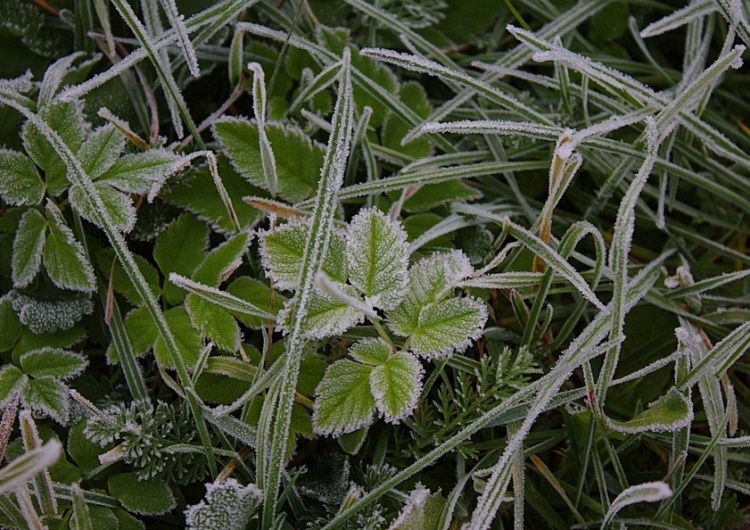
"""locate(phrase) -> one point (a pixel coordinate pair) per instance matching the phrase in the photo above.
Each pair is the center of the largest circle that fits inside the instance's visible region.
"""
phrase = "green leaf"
(421, 512)
(180, 249)
(148, 497)
(197, 193)
(49, 396)
(327, 316)
(646, 492)
(118, 205)
(298, 160)
(101, 150)
(429, 280)
(258, 294)
(66, 119)
(281, 252)
(372, 350)
(52, 311)
(188, 340)
(228, 506)
(394, 128)
(81, 519)
(64, 258)
(82, 450)
(125, 521)
(11, 380)
(141, 172)
(219, 264)
(343, 401)
(447, 326)
(670, 412)
(141, 330)
(214, 321)
(432, 195)
(396, 386)
(53, 363)
(377, 258)
(20, 183)
(10, 326)
(28, 465)
(28, 248)
(121, 282)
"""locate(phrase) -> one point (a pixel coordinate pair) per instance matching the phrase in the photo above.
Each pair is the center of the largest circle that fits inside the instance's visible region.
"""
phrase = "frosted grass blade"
(268, 161)
(177, 22)
(220, 298)
(695, 10)
(646, 492)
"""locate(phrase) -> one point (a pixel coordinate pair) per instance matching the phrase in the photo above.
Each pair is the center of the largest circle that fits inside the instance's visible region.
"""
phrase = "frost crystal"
(50, 316)
(228, 505)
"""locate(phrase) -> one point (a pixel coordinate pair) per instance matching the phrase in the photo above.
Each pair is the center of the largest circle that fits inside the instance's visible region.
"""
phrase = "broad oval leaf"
(222, 261)
(141, 172)
(372, 350)
(281, 253)
(377, 257)
(344, 402)
(447, 326)
(28, 247)
(20, 183)
(53, 363)
(429, 280)
(118, 205)
(147, 497)
(396, 386)
(64, 258)
(298, 159)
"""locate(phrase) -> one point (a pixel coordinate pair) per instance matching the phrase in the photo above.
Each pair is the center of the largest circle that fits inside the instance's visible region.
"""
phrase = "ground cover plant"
(411, 264)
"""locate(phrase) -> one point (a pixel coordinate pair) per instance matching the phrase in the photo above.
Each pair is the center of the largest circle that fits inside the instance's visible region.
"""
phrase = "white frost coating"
(343, 401)
(22, 469)
(377, 259)
(101, 150)
(646, 492)
(177, 22)
(142, 172)
(28, 246)
(21, 84)
(216, 296)
(56, 72)
(371, 350)
(396, 386)
(228, 505)
(50, 316)
(695, 10)
(62, 274)
(448, 326)
(417, 500)
(682, 277)
(327, 316)
(267, 158)
(333, 289)
(530, 129)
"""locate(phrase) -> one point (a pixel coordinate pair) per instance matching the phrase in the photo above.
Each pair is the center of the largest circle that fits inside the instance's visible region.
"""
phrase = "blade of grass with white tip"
(724, 354)
(316, 245)
(267, 159)
(736, 15)
(323, 80)
(77, 175)
(706, 285)
(42, 482)
(425, 66)
(695, 10)
(177, 21)
(646, 492)
(28, 465)
(220, 298)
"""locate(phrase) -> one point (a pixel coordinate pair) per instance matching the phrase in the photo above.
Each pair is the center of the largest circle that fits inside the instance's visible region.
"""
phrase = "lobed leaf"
(20, 183)
(48, 396)
(447, 326)
(148, 497)
(12, 380)
(343, 401)
(28, 248)
(396, 386)
(64, 258)
(53, 363)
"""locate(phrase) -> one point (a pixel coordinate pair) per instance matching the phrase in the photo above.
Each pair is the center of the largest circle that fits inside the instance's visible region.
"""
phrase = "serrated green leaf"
(228, 505)
(49, 396)
(11, 380)
(64, 258)
(28, 248)
(141, 172)
(422, 511)
(668, 413)
(198, 194)
(82, 450)
(66, 119)
(352, 442)
(344, 402)
(147, 497)
(101, 150)
(429, 280)
(125, 521)
(10, 326)
(214, 322)
(377, 258)
(53, 363)
(396, 385)
(372, 350)
(141, 330)
(187, 337)
(219, 388)
(20, 183)
(447, 326)
(59, 339)
(258, 294)
(119, 206)
(180, 249)
(222, 260)
(281, 252)
(298, 160)
(327, 316)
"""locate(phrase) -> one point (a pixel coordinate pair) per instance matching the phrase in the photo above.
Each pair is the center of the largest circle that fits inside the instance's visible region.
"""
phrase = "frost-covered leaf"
(298, 160)
(66, 119)
(147, 497)
(20, 183)
(669, 413)
(222, 260)
(141, 172)
(447, 326)
(53, 363)
(10, 325)
(259, 295)
(50, 314)
(396, 386)
(327, 316)
(429, 280)
(327, 480)
(343, 401)
(214, 322)
(141, 330)
(27, 466)
(372, 350)
(395, 128)
(81, 519)
(188, 340)
(377, 257)
(28, 247)
(180, 249)
(49, 396)
(101, 150)
(228, 506)
(120, 280)
(281, 252)
(646, 492)
(64, 258)
(11, 380)
(421, 512)
(119, 205)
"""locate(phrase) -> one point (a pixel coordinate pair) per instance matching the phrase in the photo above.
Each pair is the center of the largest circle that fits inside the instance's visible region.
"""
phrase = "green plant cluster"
(374, 264)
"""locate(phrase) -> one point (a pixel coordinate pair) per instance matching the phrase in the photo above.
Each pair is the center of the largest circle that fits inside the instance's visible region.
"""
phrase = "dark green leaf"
(147, 497)
(20, 183)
